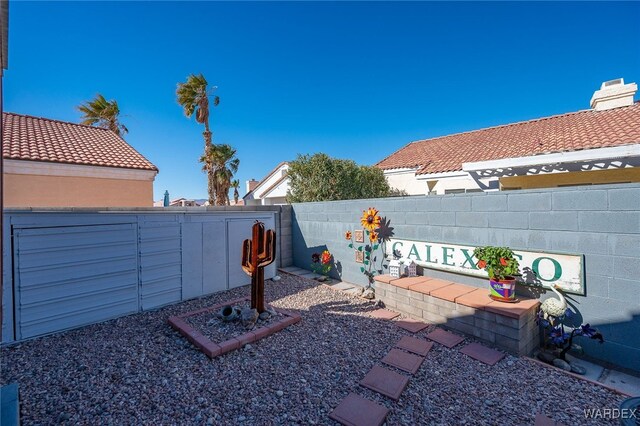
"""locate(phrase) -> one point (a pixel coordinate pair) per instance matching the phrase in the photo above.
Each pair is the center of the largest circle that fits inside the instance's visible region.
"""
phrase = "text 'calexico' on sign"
(564, 270)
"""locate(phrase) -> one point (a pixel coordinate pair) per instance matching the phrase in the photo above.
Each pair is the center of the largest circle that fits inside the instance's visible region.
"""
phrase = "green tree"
(235, 184)
(102, 113)
(193, 97)
(223, 163)
(319, 177)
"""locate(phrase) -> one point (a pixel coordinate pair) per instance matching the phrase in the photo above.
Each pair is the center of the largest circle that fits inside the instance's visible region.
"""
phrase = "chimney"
(613, 94)
(251, 184)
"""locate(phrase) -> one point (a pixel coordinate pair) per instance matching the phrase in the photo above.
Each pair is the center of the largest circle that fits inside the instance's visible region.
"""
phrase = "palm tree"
(102, 113)
(235, 184)
(223, 163)
(193, 96)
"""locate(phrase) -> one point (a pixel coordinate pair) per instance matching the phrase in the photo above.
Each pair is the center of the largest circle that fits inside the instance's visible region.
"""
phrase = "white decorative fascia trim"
(595, 154)
(41, 168)
(283, 181)
(444, 175)
(400, 171)
(281, 167)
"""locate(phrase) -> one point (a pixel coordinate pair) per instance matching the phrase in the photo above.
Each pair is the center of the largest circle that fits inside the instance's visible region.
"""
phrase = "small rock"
(242, 418)
(264, 316)
(560, 363)
(276, 278)
(379, 304)
(546, 357)
(510, 363)
(248, 347)
(249, 317)
(577, 368)
(279, 393)
(489, 403)
(369, 294)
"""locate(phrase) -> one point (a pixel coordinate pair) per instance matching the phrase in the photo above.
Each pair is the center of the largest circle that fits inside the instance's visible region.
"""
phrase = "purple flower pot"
(503, 290)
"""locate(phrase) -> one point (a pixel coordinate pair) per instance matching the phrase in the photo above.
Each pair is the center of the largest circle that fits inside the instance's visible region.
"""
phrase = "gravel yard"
(138, 370)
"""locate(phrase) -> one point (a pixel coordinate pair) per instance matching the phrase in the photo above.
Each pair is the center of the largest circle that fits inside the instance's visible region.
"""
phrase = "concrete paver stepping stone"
(417, 346)
(291, 269)
(297, 271)
(445, 338)
(355, 410)
(542, 420)
(482, 353)
(342, 286)
(309, 275)
(384, 381)
(383, 314)
(412, 325)
(403, 360)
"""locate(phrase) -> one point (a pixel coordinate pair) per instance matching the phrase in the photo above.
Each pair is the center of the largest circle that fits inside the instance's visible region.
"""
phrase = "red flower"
(503, 261)
(482, 264)
(326, 257)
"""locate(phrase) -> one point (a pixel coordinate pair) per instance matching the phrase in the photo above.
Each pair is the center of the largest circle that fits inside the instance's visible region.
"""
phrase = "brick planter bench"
(467, 309)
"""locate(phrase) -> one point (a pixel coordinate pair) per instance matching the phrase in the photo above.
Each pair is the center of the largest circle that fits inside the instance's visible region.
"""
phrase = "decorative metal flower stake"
(367, 253)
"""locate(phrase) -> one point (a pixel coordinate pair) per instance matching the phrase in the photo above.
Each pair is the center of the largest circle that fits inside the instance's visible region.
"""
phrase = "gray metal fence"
(68, 268)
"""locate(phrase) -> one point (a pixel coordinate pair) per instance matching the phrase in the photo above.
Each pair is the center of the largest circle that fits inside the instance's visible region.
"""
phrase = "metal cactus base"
(213, 349)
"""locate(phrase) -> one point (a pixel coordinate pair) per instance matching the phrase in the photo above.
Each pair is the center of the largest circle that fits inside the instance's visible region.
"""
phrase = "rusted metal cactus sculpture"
(257, 253)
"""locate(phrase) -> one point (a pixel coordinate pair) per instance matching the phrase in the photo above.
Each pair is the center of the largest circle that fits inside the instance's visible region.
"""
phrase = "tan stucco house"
(51, 163)
(594, 146)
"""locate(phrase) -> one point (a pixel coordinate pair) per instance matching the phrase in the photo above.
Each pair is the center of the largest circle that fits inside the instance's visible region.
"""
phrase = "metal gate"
(73, 275)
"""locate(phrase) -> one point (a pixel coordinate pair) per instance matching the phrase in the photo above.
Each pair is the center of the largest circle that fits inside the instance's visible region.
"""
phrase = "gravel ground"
(137, 370)
(218, 330)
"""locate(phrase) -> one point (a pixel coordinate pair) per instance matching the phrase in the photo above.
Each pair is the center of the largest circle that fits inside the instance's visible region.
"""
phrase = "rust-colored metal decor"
(258, 252)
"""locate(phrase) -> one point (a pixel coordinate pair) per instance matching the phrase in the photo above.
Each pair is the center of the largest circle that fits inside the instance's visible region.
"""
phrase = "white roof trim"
(400, 170)
(282, 166)
(284, 181)
(43, 168)
(555, 158)
(456, 173)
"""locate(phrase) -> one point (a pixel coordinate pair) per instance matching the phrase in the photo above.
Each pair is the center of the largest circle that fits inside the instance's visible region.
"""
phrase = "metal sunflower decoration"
(370, 253)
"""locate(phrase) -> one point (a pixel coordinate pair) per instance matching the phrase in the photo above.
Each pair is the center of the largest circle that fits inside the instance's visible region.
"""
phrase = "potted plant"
(321, 264)
(501, 265)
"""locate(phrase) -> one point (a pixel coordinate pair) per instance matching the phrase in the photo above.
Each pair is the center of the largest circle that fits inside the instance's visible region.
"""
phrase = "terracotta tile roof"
(41, 139)
(567, 132)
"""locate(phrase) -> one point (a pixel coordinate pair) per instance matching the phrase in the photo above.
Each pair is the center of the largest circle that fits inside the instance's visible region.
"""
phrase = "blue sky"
(353, 80)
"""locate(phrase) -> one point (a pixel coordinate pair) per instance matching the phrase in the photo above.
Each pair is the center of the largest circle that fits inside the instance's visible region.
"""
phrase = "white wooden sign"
(564, 270)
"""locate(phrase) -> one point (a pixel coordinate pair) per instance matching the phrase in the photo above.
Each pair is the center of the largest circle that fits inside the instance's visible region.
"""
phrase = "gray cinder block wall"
(285, 237)
(602, 222)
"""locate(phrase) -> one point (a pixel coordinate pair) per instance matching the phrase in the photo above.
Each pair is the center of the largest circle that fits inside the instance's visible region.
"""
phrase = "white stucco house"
(271, 190)
(595, 146)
